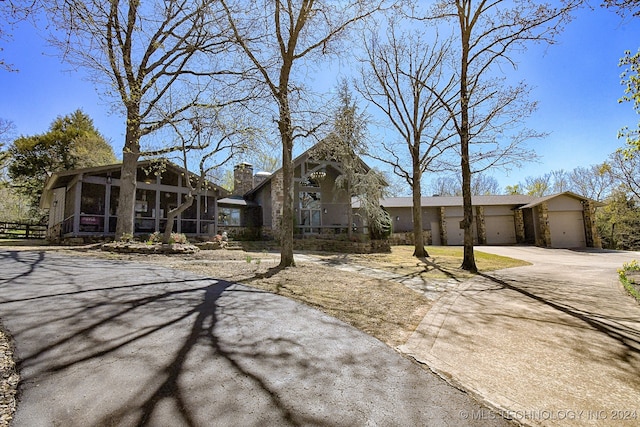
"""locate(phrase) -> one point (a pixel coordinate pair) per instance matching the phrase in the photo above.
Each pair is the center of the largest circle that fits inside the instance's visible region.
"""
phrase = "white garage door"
(500, 230)
(567, 229)
(455, 235)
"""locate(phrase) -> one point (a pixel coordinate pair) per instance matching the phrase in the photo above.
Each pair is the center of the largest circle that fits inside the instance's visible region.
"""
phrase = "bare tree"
(405, 79)
(214, 139)
(148, 55)
(278, 37)
(486, 111)
(538, 186)
(13, 12)
(626, 171)
(445, 186)
(595, 181)
(484, 185)
(561, 181)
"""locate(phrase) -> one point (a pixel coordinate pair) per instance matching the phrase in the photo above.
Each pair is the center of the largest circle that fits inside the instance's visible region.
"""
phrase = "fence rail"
(22, 230)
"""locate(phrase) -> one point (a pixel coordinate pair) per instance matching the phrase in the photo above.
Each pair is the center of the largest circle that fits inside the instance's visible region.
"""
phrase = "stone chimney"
(242, 179)
(260, 177)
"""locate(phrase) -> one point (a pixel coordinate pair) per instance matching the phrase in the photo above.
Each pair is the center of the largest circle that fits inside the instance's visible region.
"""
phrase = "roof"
(437, 201)
(298, 160)
(519, 201)
(62, 178)
(237, 201)
(540, 200)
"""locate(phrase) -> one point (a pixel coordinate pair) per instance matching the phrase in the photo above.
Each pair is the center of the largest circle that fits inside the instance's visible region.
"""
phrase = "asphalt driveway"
(104, 343)
(555, 343)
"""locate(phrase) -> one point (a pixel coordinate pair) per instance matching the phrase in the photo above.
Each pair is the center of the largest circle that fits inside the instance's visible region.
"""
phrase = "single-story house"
(83, 202)
(563, 220)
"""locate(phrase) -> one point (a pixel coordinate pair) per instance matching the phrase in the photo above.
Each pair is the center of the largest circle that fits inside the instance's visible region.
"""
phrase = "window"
(229, 216)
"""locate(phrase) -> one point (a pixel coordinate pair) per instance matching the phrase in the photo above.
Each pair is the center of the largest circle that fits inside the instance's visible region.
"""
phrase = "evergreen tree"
(72, 142)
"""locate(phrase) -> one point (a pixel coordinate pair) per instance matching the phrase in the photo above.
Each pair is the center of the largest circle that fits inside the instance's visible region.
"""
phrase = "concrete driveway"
(106, 343)
(555, 343)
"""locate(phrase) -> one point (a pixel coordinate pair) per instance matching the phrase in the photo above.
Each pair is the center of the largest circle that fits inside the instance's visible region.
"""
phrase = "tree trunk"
(172, 215)
(418, 236)
(286, 133)
(468, 261)
(127, 197)
(286, 237)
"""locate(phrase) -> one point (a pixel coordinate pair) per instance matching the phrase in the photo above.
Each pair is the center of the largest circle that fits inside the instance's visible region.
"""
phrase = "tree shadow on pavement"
(625, 335)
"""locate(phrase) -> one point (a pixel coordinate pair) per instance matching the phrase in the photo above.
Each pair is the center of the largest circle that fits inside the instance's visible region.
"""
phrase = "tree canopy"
(71, 142)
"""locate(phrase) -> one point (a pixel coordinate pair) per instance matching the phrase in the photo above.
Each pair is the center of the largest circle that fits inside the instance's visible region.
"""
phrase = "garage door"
(500, 230)
(455, 235)
(567, 229)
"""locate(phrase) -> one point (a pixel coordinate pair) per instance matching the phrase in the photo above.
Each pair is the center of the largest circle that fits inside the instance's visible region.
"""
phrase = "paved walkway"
(556, 343)
(124, 344)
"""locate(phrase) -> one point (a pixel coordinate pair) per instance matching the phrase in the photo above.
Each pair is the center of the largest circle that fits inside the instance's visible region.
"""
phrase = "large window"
(310, 217)
(229, 216)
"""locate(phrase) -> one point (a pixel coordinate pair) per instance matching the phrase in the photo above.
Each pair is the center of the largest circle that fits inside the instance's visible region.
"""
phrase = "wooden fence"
(22, 230)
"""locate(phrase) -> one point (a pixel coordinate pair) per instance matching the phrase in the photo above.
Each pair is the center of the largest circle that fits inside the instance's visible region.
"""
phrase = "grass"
(443, 262)
(632, 288)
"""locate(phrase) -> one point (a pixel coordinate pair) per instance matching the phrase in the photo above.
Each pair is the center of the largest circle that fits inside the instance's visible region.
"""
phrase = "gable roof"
(296, 162)
(517, 201)
(448, 201)
(540, 200)
(63, 178)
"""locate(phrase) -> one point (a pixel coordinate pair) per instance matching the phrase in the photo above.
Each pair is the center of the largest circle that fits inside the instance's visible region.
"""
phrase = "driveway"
(114, 343)
(555, 343)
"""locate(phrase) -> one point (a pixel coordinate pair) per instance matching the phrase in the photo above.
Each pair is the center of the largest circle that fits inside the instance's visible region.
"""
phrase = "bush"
(175, 238)
(632, 288)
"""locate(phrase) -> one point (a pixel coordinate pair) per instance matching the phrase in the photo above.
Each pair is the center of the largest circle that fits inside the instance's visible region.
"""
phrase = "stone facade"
(519, 224)
(242, 179)
(481, 225)
(543, 238)
(277, 203)
(592, 238)
(443, 227)
(407, 238)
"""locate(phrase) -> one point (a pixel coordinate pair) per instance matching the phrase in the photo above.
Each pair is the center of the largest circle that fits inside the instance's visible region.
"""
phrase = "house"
(564, 220)
(83, 202)
(320, 207)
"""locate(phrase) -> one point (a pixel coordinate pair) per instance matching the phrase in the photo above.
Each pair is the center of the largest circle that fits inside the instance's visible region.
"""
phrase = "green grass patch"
(443, 262)
(632, 288)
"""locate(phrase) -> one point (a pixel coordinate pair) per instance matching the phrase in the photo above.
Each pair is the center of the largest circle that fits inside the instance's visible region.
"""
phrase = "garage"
(567, 229)
(500, 230)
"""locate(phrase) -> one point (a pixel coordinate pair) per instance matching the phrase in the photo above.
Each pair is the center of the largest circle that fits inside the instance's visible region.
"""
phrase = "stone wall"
(519, 222)
(443, 227)
(324, 245)
(592, 238)
(543, 238)
(481, 226)
(397, 239)
(277, 202)
(242, 179)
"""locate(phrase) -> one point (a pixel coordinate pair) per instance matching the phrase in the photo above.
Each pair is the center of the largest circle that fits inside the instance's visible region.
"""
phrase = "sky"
(576, 82)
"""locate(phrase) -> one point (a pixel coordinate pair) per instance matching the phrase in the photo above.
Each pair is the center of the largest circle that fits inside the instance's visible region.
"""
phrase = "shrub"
(632, 288)
(175, 238)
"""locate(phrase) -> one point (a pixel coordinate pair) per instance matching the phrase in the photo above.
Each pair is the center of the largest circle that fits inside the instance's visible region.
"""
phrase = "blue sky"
(576, 81)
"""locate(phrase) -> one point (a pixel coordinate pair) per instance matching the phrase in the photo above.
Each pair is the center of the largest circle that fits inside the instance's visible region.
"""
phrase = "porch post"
(77, 207)
(215, 213)
(107, 206)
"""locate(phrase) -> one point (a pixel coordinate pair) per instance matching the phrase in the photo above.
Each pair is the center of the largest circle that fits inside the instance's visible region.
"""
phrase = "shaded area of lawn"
(444, 262)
